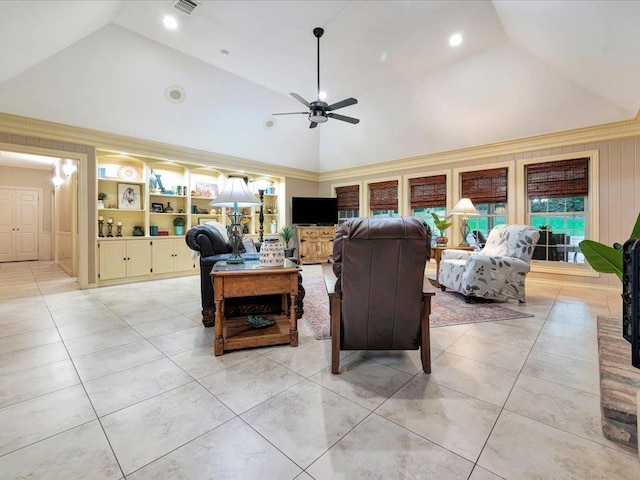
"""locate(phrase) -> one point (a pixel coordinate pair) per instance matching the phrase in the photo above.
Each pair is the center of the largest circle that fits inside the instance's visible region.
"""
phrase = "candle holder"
(119, 233)
(109, 229)
(100, 227)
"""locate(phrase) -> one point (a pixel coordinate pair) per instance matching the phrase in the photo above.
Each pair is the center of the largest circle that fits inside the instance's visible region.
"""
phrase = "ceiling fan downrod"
(318, 33)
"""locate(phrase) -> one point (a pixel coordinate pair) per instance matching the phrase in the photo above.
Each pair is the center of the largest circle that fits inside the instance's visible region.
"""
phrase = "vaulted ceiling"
(524, 68)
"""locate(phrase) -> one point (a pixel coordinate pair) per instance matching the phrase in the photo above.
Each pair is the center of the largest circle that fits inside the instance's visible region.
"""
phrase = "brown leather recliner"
(382, 299)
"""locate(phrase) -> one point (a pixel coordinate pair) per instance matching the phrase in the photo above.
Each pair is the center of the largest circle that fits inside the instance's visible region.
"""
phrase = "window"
(348, 202)
(557, 199)
(383, 199)
(428, 195)
(487, 189)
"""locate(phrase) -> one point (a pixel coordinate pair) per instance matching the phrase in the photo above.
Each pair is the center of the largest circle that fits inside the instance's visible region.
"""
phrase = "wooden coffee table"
(250, 279)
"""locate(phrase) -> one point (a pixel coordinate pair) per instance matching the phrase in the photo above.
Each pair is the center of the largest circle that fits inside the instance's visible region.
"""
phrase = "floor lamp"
(465, 209)
(261, 185)
(235, 194)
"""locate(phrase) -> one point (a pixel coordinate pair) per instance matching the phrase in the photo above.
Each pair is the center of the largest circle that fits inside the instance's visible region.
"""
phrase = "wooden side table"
(436, 254)
(251, 279)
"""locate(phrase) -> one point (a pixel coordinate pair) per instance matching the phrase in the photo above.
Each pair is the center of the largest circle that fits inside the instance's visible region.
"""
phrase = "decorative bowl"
(257, 321)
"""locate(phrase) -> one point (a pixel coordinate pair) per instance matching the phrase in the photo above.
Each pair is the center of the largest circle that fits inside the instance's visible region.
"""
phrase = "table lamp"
(235, 194)
(465, 208)
(261, 184)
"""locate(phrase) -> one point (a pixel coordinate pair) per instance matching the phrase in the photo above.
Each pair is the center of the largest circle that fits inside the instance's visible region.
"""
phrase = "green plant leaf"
(602, 258)
(636, 229)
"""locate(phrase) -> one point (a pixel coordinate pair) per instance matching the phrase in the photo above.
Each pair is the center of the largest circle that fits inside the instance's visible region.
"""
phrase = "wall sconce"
(68, 168)
(57, 181)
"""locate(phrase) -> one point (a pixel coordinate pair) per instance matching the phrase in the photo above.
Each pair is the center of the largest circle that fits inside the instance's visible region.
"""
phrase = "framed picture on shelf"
(129, 196)
(208, 190)
(157, 207)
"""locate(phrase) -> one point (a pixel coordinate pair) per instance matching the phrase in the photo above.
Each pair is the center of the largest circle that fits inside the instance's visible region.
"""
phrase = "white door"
(18, 225)
(26, 225)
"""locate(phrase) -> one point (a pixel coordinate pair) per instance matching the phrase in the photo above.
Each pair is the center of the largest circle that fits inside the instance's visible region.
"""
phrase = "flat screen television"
(314, 210)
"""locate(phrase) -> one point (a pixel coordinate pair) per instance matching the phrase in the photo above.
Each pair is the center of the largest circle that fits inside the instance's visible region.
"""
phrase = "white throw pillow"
(220, 228)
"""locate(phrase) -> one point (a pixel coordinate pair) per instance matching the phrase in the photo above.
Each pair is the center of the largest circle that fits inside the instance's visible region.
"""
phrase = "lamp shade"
(235, 192)
(261, 183)
(465, 208)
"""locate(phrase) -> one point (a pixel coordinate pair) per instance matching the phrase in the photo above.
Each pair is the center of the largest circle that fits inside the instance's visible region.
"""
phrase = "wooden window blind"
(348, 197)
(428, 191)
(383, 195)
(485, 186)
(566, 178)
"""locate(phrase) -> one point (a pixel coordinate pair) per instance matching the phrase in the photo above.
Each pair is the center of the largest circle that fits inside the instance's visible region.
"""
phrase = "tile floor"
(121, 382)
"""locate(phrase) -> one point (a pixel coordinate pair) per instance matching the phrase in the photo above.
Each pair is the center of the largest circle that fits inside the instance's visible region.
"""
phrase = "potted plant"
(178, 225)
(441, 224)
(606, 259)
(286, 233)
(101, 198)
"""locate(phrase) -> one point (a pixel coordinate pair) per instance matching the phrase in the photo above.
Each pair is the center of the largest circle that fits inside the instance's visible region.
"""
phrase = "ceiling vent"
(185, 6)
(175, 94)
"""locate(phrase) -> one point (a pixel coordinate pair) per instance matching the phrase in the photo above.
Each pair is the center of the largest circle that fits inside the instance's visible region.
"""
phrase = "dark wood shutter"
(428, 191)
(485, 186)
(348, 197)
(566, 178)
(383, 195)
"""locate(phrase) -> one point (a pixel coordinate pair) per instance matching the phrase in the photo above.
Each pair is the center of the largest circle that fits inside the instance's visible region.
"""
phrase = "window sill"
(563, 268)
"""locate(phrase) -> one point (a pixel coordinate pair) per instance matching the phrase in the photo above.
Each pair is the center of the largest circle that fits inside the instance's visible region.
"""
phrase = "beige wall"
(295, 187)
(618, 188)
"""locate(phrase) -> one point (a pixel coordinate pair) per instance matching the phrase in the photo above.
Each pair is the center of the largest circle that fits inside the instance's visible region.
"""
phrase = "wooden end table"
(251, 279)
(436, 254)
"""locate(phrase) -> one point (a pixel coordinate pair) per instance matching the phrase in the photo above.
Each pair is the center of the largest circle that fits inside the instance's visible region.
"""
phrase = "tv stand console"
(315, 244)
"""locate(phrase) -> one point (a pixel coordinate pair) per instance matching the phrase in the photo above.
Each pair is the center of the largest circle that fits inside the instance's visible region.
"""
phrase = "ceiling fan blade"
(291, 113)
(300, 99)
(313, 125)
(344, 103)
(344, 118)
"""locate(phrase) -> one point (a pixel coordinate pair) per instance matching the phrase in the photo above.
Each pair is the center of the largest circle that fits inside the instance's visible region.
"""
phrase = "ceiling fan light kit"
(319, 111)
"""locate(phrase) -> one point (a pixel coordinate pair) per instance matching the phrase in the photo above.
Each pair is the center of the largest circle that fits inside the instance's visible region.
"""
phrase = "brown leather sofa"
(378, 302)
(213, 248)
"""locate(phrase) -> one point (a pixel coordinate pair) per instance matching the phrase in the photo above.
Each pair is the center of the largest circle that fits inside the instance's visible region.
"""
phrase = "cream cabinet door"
(183, 259)
(113, 260)
(163, 259)
(138, 258)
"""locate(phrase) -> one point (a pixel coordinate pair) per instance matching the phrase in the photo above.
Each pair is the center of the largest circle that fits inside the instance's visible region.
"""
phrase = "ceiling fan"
(319, 111)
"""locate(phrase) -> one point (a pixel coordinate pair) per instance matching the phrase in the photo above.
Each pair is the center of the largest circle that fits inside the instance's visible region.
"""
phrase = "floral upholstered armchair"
(497, 271)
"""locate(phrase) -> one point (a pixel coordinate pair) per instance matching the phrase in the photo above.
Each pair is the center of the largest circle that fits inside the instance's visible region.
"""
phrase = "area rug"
(447, 308)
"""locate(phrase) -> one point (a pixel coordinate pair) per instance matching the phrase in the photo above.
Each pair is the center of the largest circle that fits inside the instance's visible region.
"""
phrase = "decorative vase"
(138, 231)
(168, 208)
(272, 253)
(274, 226)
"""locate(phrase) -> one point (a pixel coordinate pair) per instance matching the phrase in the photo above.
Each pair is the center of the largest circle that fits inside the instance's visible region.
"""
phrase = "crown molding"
(18, 125)
(598, 133)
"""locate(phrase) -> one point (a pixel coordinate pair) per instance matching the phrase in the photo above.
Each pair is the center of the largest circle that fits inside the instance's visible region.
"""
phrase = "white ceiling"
(525, 68)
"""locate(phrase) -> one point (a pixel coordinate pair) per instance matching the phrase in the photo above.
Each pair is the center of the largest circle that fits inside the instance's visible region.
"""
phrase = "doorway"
(19, 232)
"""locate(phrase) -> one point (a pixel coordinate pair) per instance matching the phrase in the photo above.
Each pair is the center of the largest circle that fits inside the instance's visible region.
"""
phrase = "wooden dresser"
(315, 244)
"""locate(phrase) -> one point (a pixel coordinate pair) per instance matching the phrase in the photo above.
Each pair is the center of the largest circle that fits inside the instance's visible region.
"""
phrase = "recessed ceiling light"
(322, 95)
(170, 22)
(455, 39)
(224, 53)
